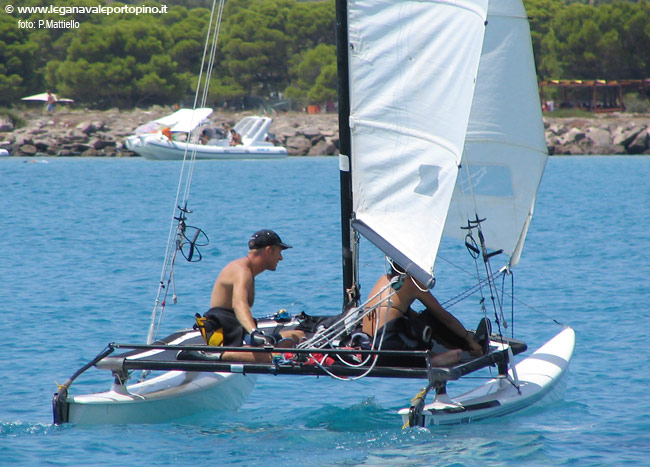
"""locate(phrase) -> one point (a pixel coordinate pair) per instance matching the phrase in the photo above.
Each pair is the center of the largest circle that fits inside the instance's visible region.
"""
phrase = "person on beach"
(51, 102)
(233, 295)
(393, 312)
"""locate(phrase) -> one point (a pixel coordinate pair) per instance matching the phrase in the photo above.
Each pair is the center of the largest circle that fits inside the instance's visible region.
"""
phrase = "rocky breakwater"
(610, 134)
(307, 135)
(70, 132)
(102, 133)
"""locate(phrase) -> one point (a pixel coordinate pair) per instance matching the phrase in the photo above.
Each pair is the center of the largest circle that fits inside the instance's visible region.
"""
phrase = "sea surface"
(82, 245)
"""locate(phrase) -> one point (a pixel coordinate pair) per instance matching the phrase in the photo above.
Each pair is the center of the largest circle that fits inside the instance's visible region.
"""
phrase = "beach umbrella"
(43, 97)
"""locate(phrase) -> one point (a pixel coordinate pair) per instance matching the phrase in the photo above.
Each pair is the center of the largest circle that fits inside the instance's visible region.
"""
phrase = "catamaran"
(440, 133)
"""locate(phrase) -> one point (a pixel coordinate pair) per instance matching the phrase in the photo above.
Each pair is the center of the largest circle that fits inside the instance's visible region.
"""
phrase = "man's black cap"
(264, 238)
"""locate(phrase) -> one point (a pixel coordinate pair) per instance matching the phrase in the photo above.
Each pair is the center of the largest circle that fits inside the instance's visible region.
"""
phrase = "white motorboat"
(173, 138)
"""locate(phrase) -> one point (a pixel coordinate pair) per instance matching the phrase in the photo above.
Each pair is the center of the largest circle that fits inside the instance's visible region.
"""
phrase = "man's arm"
(243, 287)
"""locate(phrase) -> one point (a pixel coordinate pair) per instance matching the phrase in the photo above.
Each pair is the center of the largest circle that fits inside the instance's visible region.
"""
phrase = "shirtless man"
(398, 304)
(233, 295)
(235, 138)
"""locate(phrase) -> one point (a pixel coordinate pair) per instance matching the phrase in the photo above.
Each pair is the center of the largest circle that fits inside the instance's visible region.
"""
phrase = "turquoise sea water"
(82, 248)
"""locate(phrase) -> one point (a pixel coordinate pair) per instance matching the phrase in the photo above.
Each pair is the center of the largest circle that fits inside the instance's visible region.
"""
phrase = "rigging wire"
(176, 236)
(352, 318)
(470, 291)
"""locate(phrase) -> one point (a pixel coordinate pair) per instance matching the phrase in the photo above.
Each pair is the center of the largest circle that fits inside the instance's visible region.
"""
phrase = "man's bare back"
(234, 288)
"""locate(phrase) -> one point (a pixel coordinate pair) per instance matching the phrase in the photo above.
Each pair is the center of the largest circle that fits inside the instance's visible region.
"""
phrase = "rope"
(348, 321)
(176, 230)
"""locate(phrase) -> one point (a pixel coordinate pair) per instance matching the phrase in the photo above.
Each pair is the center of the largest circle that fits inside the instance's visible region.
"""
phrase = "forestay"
(505, 150)
(413, 67)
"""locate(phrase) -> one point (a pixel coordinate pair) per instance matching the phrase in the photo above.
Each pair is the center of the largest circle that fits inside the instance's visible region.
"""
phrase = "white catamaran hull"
(538, 375)
(159, 147)
(170, 396)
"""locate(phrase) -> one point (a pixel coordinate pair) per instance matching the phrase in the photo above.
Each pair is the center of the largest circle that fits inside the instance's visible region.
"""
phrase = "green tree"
(325, 88)
(540, 13)
(188, 29)
(17, 61)
(256, 46)
(314, 76)
(125, 63)
(604, 40)
(312, 24)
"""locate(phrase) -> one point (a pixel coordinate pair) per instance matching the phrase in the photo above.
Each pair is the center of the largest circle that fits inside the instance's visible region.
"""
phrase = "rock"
(316, 139)
(627, 134)
(89, 127)
(322, 148)
(598, 136)
(573, 136)
(557, 129)
(43, 145)
(298, 145)
(28, 149)
(23, 139)
(91, 152)
(639, 143)
(101, 143)
(74, 135)
(80, 147)
(311, 133)
(65, 153)
(606, 149)
(573, 149)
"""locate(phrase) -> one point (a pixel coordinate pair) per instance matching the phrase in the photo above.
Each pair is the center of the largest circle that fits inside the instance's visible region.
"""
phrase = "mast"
(349, 279)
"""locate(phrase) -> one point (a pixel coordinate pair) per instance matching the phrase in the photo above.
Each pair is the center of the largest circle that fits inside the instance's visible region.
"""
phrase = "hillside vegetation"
(268, 49)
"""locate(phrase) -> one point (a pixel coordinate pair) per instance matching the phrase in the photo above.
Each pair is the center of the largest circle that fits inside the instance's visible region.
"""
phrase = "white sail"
(413, 67)
(505, 150)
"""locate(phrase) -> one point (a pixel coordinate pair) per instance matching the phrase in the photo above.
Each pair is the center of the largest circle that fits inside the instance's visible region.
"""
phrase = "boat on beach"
(441, 133)
(173, 137)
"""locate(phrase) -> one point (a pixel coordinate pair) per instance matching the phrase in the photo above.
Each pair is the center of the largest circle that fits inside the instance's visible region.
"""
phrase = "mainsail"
(413, 67)
(505, 150)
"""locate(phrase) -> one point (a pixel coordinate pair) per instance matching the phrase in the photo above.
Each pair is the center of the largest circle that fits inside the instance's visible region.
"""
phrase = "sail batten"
(413, 67)
(399, 130)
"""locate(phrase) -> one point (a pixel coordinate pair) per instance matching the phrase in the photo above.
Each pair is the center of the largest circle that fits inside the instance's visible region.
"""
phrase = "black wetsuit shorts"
(225, 319)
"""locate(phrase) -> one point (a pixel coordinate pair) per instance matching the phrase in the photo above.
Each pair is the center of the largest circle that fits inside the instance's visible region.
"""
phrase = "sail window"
(428, 184)
(486, 180)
